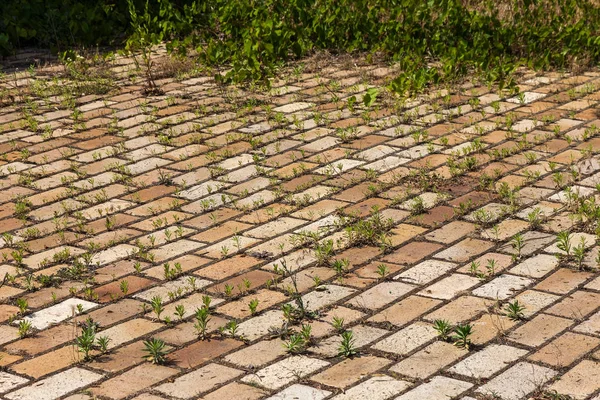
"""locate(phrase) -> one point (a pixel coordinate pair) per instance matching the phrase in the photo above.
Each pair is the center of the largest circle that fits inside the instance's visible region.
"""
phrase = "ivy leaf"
(370, 97)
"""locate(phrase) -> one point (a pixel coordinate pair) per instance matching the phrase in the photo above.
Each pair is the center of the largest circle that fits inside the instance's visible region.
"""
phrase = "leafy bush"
(488, 37)
(432, 41)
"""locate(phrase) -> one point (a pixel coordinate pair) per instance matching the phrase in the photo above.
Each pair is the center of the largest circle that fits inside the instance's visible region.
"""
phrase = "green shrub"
(491, 38)
(254, 37)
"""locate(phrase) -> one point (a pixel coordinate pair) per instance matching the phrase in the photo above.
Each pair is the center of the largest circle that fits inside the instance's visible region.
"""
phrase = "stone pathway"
(138, 211)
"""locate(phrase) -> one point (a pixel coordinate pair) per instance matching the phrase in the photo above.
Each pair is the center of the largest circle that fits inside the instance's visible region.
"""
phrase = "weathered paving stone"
(113, 254)
(386, 163)
(325, 296)
(451, 232)
(534, 301)
(518, 381)
(376, 388)
(259, 326)
(134, 380)
(298, 391)
(485, 363)
(362, 335)
(425, 272)
(129, 330)
(258, 354)
(350, 371)
(198, 381)
(48, 363)
(202, 351)
(539, 329)
(285, 371)
(502, 287)
(460, 309)
(407, 339)
(590, 326)
(237, 390)
(578, 305)
(465, 250)
(202, 190)
(339, 166)
(580, 381)
(449, 287)
(536, 266)
(10, 381)
(565, 349)
(429, 360)
(274, 228)
(562, 281)
(58, 313)
(56, 386)
(533, 241)
(438, 388)
(405, 310)
(380, 295)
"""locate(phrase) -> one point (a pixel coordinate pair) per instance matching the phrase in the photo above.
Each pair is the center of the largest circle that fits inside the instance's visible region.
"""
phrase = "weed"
(564, 242)
(340, 266)
(517, 243)
(338, 324)
(552, 395)
(102, 343)
(579, 253)
(253, 305)
(25, 328)
(157, 306)
(382, 271)
(232, 327)
(483, 217)
(145, 35)
(535, 218)
(22, 304)
(323, 251)
(461, 336)
(228, 290)
(490, 269)
(22, 208)
(514, 311)
(417, 206)
(443, 329)
(292, 313)
(370, 231)
(295, 344)
(171, 273)
(347, 347)
(124, 286)
(180, 311)
(156, 351)
(202, 317)
(306, 333)
(86, 340)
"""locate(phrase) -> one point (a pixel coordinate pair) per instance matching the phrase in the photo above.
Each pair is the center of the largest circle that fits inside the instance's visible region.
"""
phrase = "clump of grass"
(370, 231)
(514, 311)
(459, 334)
(347, 345)
(156, 351)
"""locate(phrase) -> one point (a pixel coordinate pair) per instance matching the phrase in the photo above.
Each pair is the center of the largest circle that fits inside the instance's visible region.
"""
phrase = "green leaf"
(370, 97)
